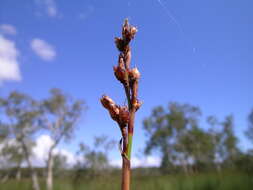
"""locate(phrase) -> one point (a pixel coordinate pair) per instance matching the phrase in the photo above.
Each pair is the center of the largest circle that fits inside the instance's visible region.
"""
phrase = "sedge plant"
(124, 115)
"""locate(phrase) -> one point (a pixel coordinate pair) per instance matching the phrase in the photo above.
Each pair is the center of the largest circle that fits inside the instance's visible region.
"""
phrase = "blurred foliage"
(194, 154)
(177, 134)
(209, 181)
(94, 161)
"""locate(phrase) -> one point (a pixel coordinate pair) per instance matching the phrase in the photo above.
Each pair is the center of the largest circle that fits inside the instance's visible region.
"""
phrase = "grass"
(228, 181)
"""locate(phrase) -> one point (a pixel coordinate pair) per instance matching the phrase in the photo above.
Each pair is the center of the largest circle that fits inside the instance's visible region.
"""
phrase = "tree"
(13, 155)
(165, 128)
(249, 131)
(21, 116)
(198, 147)
(224, 141)
(229, 140)
(216, 132)
(160, 135)
(61, 114)
(4, 132)
(60, 164)
(94, 160)
(3, 140)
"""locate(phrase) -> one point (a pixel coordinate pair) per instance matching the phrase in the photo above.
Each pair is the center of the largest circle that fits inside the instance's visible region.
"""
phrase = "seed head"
(119, 44)
(114, 112)
(107, 102)
(134, 74)
(110, 105)
(138, 104)
(133, 31)
(128, 32)
(123, 115)
(120, 74)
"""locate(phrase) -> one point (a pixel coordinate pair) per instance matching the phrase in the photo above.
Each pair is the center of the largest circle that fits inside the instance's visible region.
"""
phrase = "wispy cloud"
(49, 6)
(8, 29)
(9, 66)
(87, 12)
(43, 49)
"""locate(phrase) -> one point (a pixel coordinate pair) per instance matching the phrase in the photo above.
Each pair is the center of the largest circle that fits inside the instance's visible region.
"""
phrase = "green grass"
(172, 182)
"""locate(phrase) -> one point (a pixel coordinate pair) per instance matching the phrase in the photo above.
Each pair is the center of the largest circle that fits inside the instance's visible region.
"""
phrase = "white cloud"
(149, 161)
(40, 152)
(43, 49)
(70, 157)
(8, 29)
(9, 66)
(41, 149)
(44, 142)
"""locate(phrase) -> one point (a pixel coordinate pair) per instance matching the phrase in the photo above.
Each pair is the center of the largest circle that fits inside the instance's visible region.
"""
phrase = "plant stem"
(129, 146)
(123, 115)
(125, 181)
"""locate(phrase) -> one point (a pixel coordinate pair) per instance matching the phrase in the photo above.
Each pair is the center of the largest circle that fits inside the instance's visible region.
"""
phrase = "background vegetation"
(194, 155)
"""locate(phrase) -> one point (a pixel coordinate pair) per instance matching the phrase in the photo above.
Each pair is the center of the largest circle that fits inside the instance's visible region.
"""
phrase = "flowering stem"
(124, 115)
(127, 91)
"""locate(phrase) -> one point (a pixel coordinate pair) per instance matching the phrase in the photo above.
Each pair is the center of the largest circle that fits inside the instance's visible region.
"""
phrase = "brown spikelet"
(124, 115)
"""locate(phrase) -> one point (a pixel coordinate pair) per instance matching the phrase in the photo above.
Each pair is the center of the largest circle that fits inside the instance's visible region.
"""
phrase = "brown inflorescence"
(109, 104)
(120, 114)
(137, 104)
(134, 74)
(128, 32)
(119, 44)
(124, 115)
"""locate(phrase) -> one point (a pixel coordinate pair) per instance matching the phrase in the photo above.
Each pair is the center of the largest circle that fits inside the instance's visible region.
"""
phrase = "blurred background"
(195, 128)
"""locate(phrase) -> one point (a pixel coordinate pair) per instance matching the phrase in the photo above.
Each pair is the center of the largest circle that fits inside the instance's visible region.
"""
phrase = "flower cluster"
(128, 33)
(122, 71)
(129, 77)
(120, 114)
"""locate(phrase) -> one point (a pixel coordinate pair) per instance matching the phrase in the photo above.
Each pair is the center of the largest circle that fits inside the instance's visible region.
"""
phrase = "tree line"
(22, 117)
(175, 133)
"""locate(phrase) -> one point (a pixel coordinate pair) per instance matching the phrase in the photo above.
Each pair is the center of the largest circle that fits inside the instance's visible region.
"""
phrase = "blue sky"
(197, 52)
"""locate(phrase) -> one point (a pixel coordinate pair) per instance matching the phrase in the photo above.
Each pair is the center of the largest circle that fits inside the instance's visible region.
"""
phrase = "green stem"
(129, 145)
